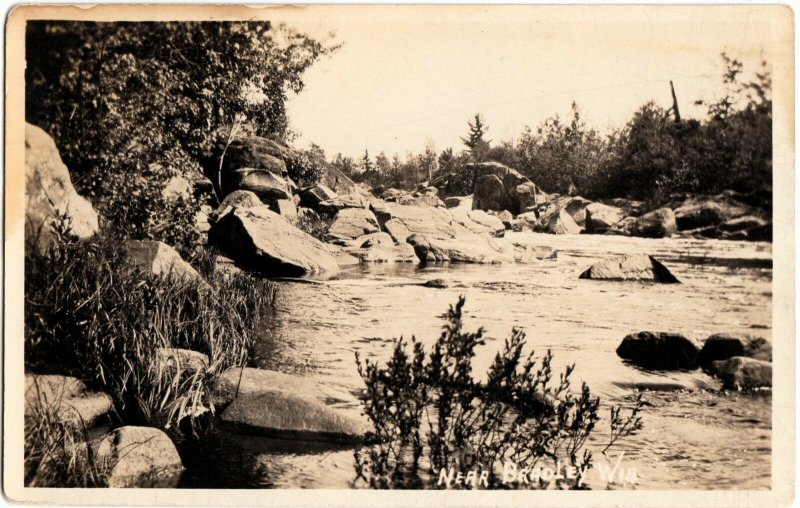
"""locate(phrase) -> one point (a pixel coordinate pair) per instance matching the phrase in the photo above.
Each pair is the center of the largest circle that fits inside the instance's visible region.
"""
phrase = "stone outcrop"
(498, 187)
(139, 457)
(703, 211)
(158, 258)
(49, 191)
(600, 217)
(743, 373)
(659, 223)
(659, 350)
(268, 186)
(722, 346)
(68, 396)
(261, 240)
(352, 223)
(640, 267)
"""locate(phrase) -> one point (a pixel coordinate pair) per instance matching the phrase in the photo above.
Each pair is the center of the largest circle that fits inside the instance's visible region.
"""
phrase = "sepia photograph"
(480, 249)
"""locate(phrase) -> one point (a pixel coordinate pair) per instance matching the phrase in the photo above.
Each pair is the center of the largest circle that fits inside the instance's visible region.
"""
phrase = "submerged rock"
(722, 346)
(742, 373)
(659, 350)
(630, 267)
(139, 457)
(263, 241)
(49, 191)
(436, 283)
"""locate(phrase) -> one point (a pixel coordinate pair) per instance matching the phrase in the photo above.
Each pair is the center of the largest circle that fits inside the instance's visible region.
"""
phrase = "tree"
(132, 104)
(477, 145)
(427, 161)
(366, 163)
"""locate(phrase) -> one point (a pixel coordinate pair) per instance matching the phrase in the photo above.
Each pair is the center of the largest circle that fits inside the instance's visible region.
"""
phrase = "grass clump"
(90, 316)
(433, 420)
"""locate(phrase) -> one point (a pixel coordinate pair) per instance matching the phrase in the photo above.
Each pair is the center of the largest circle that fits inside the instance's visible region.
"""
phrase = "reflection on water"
(698, 439)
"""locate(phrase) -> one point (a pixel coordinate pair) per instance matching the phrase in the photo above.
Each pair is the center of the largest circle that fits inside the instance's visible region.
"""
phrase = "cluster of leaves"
(305, 168)
(89, 314)
(119, 98)
(314, 224)
(430, 414)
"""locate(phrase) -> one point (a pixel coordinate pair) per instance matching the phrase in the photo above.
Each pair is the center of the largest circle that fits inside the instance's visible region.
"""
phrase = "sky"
(410, 76)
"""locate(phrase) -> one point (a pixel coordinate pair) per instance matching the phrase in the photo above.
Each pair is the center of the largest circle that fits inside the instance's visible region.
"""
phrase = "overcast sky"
(409, 76)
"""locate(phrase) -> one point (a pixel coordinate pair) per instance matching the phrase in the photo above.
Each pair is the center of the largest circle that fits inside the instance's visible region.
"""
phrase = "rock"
(742, 223)
(263, 241)
(436, 283)
(422, 200)
(576, 208)
(478, 221)
(504, 216)
(702, 211)
(287, 209)
(520, 193)
(471, 248)
(313, 196)
(68, 397)
(354, 222)
(266, 185)
(281, 405)
(600, 217)
(383, 253)
(490, 194)
(225, 266)
(332, 206)
(629, 207)
(286, 415)
(184, 360)
(742, 373)
(249, 152)
(397, 230)
(236, 199)
(659, 350)
(722, 346)
(458, 201)
(562, 224)
(139, 457)
(526, 196)
(158, 258)
(630, 267)
(374, 239)
(177, 188)
(49, 191)
(656, 224)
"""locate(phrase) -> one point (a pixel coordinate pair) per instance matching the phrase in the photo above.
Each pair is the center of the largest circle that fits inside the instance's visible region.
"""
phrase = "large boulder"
(49, 191)
(742, 373)
(458, 201)
(313, 196)
(158, 258)
(600, 217)
(659, 350)
(69, 398)
(139, 457)
(249, 152)
(702, 211)
(630, 267)
(263, 241)
(562, 224)
(266, 185)
(659, 223)
(341, 202)
(236, 199)
(352, 223)
(722, 346)
(468, 248)
(281, 405)
(383, 253)
(489, 194)
(576, 208)
(478, 221)
(526, 196)
(397, 230)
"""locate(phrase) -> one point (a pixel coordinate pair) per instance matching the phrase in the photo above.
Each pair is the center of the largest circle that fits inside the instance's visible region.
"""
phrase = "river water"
(697, 437)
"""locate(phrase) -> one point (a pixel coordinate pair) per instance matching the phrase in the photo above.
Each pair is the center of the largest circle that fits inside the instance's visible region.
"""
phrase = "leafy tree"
(133, 104)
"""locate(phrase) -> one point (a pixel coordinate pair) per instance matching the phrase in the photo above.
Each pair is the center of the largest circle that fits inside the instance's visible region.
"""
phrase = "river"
(698, 439)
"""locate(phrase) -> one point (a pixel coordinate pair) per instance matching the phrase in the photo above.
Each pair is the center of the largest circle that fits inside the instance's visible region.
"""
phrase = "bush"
(431, 418)
(314, 224)
(87, 316)
(304, 169)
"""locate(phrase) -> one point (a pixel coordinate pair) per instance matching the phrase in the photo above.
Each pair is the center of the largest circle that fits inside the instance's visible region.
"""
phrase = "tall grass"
(88, 315)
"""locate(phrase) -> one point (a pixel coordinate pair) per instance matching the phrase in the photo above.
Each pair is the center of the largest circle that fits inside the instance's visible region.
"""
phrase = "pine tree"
(478, 146)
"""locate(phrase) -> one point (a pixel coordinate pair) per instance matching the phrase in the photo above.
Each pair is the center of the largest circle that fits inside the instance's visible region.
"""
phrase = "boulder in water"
(742, 373)
(630, 267)
(74, 405)
(659, 350)
(722, 346)
(139, 457)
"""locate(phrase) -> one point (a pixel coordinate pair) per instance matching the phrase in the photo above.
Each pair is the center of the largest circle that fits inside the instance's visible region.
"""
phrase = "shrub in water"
(433, 420)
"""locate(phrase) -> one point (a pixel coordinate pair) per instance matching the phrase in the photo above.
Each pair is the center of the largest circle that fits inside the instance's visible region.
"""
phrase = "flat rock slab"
(640, 267)
(353, 223)
(139, 457)
(280, 414)
(263, 241)
(68, 397)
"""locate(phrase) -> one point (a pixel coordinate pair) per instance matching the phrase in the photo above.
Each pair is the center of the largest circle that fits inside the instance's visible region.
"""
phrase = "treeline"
(655, 155)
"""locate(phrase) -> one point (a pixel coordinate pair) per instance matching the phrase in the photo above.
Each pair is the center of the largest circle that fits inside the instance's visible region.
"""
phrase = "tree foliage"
(132, 104)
